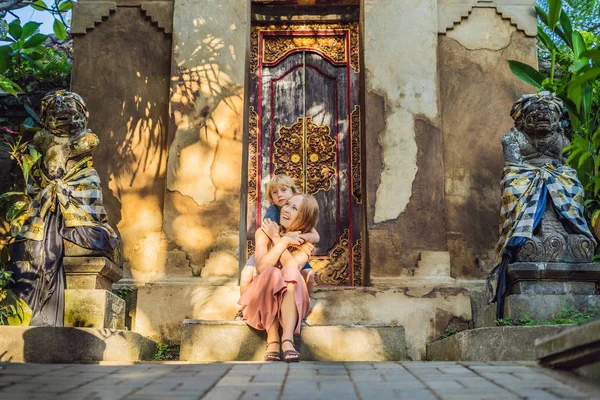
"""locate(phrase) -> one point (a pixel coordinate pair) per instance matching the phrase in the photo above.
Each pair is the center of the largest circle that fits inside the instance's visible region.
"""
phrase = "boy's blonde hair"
(280, 180)
(308, 214)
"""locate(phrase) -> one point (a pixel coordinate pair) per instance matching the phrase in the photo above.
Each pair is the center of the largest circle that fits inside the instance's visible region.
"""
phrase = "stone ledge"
(503, 343)
(72, 345)
(91, 272)
(572, 348)
(541, 307)
(210, 341)
(568, 272)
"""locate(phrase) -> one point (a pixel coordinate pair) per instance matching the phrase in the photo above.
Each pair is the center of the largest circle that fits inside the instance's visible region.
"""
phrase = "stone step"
(73, 345)
(503, 343)
(425, 311)
(576, 349)
(216, 341)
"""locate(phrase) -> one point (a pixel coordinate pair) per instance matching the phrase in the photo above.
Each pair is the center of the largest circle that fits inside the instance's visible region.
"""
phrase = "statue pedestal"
(89, 301)
(91, 273)
(540, 290)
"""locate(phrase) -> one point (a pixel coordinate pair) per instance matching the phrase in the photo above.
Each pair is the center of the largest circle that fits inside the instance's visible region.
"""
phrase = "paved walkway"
(305, 380)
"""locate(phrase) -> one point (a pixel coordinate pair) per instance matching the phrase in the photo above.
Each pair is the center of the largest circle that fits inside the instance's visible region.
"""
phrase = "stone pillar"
(122, 68)
(477, 90)
(202, 204)
(403, 141)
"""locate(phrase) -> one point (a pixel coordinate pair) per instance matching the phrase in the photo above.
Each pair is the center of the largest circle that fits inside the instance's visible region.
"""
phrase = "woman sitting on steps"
(278, 295)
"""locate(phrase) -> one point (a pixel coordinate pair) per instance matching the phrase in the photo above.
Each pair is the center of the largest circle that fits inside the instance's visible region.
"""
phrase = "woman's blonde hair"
(280, 180)
(308, 214)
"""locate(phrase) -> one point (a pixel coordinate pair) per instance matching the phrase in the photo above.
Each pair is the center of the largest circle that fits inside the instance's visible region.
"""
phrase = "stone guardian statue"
(542, 215)
(66, 205)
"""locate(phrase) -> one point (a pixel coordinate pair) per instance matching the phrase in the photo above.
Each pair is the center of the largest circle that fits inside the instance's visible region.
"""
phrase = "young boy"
(279, 190)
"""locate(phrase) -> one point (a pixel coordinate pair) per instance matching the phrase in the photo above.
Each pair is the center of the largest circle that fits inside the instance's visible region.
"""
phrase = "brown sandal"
(290, 355)
(272, 355)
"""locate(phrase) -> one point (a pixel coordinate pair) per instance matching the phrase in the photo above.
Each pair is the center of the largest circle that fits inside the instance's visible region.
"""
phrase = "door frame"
(270, 44)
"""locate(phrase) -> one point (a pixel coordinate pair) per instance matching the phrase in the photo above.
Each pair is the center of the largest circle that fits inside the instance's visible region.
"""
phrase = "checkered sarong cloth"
(522, 185)
(77, 194)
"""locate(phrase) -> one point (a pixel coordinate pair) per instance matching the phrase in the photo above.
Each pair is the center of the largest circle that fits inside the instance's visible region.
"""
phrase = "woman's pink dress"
(261, 301)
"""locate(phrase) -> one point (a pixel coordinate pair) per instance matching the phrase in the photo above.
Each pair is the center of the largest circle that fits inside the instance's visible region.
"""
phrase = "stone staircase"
(392, 320)
(210, 341)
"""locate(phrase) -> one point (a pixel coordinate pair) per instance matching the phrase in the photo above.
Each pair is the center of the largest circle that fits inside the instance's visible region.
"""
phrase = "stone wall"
(477, 90)
(202, 207)
(403, 141)
(122, 68)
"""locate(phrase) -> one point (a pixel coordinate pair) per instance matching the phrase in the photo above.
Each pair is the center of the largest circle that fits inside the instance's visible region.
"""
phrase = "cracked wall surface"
(477, 92)
(204, 161)
(122, 70)
(403, 139)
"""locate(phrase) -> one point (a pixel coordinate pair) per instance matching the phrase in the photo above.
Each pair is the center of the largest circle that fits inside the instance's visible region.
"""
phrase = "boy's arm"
(311, 237)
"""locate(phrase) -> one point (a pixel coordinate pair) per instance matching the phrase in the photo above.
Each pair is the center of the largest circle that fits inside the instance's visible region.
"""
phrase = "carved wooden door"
(304, 121)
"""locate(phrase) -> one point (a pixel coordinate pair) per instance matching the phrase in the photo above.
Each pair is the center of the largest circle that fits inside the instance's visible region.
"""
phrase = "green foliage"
(573, 75)
(449, 332)
(165, 352)
(25, 62)
(567, 316)
(26, 156)
(124, 291)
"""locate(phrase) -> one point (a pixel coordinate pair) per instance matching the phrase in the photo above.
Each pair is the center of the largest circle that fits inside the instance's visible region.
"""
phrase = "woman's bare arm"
(311, 237)
(265, 257)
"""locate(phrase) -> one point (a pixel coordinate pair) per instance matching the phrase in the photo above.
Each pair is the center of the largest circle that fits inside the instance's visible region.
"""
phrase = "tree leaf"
(527, 73)
(15, 209)
(5, 58)
(36, 155)
(29, 29)
(595, 224)
(554, 10)
(586, 102)
(14, 29)
(35, 40)
(10, 194)
(65, 5)
(567, 27)
(31, 112)
(578, 46)
(59, 30)
(584, 157)
(28, 163)
(39, 5)
(545, 39)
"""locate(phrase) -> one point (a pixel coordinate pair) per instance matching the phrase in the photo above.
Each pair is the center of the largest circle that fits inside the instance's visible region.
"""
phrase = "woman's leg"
(309, 277)
(289, 316)
(273, 336)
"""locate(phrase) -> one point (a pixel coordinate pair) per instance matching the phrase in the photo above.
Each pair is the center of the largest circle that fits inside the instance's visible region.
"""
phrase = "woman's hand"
(294, 238)
(271, 229)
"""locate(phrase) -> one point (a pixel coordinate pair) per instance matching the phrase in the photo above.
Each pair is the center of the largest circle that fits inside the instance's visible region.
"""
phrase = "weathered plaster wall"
(405, 210)
(477, 92)
(202, 214)
(122, 70)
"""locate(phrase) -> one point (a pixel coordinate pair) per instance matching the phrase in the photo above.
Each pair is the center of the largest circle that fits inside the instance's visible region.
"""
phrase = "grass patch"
(167, 352)
(567, 316)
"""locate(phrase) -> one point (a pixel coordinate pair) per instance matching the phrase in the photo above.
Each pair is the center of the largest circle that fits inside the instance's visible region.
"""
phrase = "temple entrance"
(304, 121)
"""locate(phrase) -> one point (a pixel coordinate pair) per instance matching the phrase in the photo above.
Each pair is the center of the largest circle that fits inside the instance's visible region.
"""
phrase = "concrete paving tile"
(359, 366)
(224, 393)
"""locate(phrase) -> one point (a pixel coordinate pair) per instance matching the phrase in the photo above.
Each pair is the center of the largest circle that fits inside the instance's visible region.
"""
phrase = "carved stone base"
(552, 243)
(91, 273)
